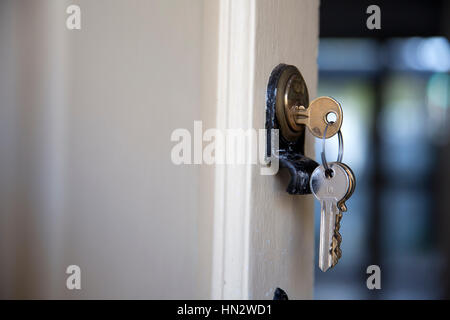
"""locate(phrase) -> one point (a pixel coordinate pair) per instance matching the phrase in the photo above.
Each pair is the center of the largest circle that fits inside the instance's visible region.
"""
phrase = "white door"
(87, 177)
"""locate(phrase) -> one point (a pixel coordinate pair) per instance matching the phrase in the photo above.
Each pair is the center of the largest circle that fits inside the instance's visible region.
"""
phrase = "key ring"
(340, 152)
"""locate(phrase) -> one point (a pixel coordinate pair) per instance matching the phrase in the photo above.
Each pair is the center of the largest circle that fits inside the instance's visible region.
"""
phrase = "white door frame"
(263, 238)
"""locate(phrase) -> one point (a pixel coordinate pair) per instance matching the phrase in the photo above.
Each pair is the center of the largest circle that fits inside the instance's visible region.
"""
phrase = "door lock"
(288, 110)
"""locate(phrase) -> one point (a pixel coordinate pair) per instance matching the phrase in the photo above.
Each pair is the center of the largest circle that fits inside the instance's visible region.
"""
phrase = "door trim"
(233, 183)
(262, 238)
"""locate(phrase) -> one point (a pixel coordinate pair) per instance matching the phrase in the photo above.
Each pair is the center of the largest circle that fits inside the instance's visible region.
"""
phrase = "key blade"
(328, 214)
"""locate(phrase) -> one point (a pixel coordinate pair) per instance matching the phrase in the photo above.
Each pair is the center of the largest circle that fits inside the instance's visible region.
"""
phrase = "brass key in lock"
(318, 115)
(294, 111)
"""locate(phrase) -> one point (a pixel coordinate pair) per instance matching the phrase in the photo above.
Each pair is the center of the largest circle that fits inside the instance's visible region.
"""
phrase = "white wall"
(85, 171)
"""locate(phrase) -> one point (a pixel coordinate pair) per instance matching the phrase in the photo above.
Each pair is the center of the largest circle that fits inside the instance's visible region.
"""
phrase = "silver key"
(329, 191)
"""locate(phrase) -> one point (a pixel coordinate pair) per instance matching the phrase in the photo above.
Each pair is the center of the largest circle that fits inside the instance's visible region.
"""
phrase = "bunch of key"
(332, 184)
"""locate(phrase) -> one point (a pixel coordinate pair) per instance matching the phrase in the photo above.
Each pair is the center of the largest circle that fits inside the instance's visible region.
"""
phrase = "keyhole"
(331, 117)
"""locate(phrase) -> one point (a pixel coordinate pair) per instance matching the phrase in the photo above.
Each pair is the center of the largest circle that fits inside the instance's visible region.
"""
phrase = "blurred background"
(394, 87)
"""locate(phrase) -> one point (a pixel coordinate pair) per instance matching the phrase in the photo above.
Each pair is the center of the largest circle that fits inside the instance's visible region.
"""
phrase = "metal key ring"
(340, 152)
